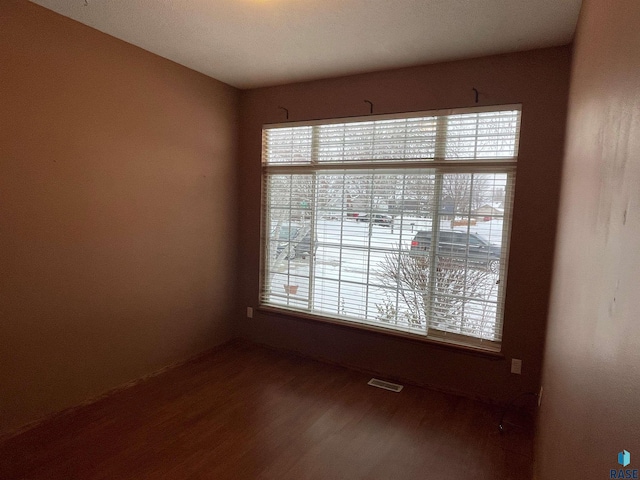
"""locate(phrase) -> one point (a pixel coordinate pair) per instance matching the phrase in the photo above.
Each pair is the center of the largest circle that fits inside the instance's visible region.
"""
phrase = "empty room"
(303, 239)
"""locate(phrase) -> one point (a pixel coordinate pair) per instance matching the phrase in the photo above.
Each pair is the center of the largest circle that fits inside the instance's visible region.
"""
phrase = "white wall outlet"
(516, 366)
(540, 396)
(249, 312)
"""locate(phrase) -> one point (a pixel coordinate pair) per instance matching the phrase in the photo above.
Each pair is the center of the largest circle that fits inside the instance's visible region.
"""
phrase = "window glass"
(351, 207)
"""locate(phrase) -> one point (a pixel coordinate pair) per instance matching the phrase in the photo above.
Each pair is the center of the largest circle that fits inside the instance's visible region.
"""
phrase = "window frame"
(440, 166)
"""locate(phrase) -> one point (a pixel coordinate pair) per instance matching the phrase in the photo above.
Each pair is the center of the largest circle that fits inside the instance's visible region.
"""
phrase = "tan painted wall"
(591, 402)
(117, 197)
(537, 79)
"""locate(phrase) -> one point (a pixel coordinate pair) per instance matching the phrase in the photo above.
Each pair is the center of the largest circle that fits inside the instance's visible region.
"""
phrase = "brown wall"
(591, 401)
(117, 181)
(537, 79)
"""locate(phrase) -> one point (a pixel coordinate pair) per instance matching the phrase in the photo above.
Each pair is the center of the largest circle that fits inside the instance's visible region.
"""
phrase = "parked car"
(376, 219)
(288, 238)
(459, 246)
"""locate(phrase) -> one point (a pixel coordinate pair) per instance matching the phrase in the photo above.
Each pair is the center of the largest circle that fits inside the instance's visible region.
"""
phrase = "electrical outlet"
(540, 396)
(249, 312)
(516, 366)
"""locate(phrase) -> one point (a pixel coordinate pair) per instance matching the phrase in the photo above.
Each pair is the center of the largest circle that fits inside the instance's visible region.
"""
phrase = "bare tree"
(436, 298)
(467, 191)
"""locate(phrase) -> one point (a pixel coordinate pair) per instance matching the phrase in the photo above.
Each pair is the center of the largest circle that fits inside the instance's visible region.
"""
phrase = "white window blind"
(399, 223)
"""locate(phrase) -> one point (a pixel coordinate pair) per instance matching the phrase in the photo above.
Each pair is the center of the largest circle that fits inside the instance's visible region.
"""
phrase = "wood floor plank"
(247, 412)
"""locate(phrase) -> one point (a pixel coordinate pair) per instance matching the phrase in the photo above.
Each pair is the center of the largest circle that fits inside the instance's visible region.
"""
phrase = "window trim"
(395, 116)
(440, 166)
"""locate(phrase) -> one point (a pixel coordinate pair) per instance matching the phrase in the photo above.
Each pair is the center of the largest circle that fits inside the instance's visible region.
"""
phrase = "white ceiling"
(252, 43)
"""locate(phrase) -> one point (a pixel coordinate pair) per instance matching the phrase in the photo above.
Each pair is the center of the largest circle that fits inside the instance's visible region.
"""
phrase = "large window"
(399, 223)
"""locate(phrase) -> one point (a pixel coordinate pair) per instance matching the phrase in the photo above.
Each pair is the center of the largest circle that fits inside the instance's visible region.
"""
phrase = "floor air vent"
(394, 387)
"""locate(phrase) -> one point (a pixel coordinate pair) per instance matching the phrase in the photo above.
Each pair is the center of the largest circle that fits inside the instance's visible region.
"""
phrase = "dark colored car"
(289, 237)
(461, 246)
(376, 219)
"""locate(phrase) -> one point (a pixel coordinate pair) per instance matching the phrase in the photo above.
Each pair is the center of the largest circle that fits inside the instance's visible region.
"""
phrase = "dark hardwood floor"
(246, 412)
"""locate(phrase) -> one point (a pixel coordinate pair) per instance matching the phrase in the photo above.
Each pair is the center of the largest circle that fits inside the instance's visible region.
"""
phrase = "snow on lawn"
(346, 282)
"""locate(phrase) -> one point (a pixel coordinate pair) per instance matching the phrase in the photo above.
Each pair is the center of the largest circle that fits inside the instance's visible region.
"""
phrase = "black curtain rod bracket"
(370, 106)
(286, 111)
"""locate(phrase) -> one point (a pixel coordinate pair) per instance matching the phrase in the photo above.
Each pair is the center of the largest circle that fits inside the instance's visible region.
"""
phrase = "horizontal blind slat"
(469, 136)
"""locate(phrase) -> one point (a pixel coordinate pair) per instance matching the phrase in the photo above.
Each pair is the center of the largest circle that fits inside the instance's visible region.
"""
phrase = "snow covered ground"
(346, 281)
